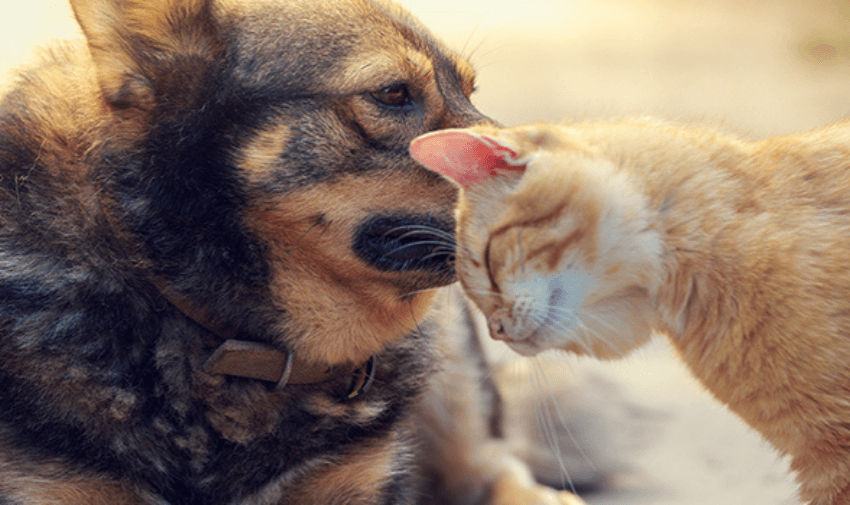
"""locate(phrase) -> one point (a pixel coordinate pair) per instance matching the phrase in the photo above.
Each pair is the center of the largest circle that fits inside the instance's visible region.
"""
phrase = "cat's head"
(555, 245)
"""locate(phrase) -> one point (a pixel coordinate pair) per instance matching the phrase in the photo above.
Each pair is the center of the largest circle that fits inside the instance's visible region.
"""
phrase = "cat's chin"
(540, 342)
(526, 348)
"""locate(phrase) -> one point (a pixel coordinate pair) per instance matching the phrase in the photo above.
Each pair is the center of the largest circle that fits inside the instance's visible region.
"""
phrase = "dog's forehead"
(362, 43)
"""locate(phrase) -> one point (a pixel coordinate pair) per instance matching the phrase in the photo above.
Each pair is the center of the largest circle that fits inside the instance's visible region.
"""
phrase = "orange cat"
(588, 237)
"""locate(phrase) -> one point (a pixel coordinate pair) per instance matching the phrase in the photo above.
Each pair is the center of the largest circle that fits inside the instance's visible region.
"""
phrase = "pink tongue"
(466, 158)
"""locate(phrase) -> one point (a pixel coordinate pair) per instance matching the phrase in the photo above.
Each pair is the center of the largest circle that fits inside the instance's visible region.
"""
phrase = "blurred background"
(753, 67)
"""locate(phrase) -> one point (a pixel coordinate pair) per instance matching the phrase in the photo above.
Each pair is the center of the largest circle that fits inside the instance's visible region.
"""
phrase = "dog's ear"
(137, 46)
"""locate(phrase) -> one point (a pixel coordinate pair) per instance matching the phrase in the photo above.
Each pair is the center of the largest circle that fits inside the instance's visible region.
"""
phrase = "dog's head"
(260, 154)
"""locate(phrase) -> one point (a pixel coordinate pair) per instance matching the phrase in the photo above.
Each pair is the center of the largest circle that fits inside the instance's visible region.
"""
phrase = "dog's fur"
(201, 170)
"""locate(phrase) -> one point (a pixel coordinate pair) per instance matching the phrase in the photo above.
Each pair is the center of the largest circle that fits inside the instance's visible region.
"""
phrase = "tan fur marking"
(53, 484)
(555, 250)
(340, 308)
(73, 492)
(385, 68)
(361, 475)
(259, 158)
(466, 73)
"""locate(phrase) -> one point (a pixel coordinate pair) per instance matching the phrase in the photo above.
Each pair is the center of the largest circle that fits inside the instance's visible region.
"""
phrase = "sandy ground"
(759, 68)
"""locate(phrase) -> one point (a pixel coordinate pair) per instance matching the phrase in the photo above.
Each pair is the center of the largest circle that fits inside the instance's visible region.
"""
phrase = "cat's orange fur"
(739, 251)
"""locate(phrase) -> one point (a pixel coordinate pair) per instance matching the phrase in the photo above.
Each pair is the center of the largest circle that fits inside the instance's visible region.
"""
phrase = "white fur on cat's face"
(560, 257)
(537, 303)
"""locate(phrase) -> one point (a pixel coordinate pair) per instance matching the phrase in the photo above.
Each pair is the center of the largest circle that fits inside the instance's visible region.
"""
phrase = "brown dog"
(218, 258)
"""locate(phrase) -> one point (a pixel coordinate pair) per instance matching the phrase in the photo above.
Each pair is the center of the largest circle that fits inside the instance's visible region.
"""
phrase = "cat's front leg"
(514, 485)
(467, 457)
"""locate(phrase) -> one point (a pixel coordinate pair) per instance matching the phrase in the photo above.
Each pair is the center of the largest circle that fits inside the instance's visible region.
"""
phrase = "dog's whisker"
(322, 233)
(425, 238)
(414, 230)
(291, 248)
(421, 244)
(438, 253)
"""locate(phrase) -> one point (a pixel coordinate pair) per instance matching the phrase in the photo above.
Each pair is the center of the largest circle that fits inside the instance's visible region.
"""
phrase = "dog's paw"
(515, 485)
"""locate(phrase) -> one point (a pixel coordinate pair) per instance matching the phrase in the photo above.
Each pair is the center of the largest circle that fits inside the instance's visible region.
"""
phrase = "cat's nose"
(500, 324)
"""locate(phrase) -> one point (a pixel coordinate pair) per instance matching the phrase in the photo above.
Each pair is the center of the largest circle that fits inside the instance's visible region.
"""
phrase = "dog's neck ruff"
(262, 361)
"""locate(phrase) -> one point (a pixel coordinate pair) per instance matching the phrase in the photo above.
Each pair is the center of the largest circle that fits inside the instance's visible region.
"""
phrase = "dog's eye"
(395, 95)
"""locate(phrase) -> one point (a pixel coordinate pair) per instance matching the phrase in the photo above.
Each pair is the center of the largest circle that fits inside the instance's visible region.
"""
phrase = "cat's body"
(739, 251)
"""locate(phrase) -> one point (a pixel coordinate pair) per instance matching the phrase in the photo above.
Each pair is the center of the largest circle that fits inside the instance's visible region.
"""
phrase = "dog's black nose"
(397, 243)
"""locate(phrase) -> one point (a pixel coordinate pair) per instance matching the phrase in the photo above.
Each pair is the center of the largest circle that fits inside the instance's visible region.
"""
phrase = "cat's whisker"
(579, 331)
(617, 347)
(560, 311)
(572, 324)
(547, 423)
(565, 318)
(602, 322)
(563, 325)
(582, 341)
(561, 417)
(573, 314)
(582, 337)
(605, 323)
(585, 346)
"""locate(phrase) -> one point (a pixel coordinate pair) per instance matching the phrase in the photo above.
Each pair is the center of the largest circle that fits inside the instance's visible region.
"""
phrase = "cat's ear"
(464, 156)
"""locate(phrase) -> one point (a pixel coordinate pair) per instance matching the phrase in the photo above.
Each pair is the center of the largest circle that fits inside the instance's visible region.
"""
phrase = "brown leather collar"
(255, 360)
(261, 361)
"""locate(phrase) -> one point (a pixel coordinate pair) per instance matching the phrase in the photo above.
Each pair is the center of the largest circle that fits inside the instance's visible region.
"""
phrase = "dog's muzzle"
(407, 243)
